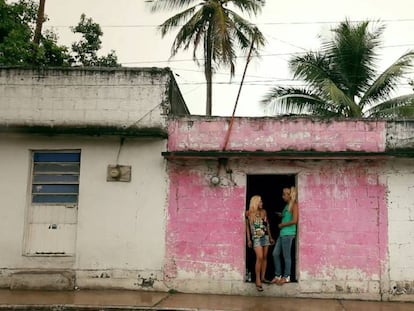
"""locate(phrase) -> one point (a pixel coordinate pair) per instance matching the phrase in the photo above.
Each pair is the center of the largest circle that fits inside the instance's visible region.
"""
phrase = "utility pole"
(39, 22)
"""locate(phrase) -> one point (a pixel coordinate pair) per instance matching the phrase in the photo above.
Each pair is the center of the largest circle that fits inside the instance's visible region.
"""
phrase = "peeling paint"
(267, 134)
(145, 281)
(343, 235)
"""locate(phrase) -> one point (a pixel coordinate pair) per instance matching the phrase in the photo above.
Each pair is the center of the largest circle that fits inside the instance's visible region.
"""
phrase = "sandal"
(284, 280)
(266, 281)
(259, 288)
(276, 280)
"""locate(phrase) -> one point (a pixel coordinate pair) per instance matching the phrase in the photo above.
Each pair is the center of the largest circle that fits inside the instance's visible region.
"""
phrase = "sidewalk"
(140, 300)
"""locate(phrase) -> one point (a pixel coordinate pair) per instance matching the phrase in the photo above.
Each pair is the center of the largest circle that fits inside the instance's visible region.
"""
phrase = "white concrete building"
(84, 196)
(399, 177)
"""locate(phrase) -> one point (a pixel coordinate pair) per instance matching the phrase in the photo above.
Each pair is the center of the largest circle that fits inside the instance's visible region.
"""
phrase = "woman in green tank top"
(287, 234)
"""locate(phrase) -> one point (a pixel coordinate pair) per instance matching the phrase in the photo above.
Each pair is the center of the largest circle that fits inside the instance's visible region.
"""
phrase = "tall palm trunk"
(208, 72)
(218, 29)
(39, 22)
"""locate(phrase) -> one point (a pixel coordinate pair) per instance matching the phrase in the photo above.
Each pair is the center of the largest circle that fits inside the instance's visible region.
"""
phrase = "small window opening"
(55, 177)
(270, 188)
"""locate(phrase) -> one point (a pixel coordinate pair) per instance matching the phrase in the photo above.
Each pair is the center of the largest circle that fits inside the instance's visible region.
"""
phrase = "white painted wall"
(121, 225)
(400, 179)
(120, 235)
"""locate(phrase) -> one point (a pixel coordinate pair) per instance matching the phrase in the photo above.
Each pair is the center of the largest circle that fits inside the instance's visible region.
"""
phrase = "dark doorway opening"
(269, 187)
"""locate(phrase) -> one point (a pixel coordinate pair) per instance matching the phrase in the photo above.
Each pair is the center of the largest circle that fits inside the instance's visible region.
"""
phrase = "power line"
(243, 57)
(397, 20)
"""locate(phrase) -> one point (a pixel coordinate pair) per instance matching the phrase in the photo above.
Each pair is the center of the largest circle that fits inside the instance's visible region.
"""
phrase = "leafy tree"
(341, 80)
(18, 47)
(214, 26)
(17, 23)
(85, 51)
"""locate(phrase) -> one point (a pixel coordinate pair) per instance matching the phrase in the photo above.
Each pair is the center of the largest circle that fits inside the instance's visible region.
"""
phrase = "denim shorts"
(262, 241)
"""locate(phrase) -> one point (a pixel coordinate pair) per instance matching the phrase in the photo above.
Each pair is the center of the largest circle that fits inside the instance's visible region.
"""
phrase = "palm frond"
(387, 81)
(170, 4)
(245, 32)
(190, 33)
(290, 100)
(231, 32)
(248, 6)
(341, 99)
(313, 68)
(176, 20)
(223, 43)
(401, 106)
(394, 113)
(344, 70)
(213, 25)
(353, 55)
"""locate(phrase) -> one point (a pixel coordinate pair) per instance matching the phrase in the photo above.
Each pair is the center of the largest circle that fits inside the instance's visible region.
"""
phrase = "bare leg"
(264, 262)
(257, 268)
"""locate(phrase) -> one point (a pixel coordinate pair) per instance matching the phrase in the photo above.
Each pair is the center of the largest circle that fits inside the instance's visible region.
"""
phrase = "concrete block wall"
(205, 227)
(400, 180)
(400, 135)
(270, 134)
(342, 244)
(343, 228)
(355, 227)
(84, 97)
(120, 225)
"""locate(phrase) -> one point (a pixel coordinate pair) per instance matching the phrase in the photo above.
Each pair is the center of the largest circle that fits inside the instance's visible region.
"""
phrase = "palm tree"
(214, 26)
(341, 80)
(39, 22)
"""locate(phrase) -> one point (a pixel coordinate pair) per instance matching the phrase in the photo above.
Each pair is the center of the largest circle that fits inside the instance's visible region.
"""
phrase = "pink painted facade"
(269, 134)
(343, 221)
(205, 226)
(342, 234)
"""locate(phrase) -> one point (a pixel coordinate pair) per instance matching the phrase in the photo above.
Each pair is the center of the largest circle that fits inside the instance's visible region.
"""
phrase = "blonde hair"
(293, 197)
(254, 206)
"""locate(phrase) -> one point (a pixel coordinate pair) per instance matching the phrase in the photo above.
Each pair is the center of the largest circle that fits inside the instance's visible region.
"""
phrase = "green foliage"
(14, 30)
(17, 25)
(341, 80)
(215, 27)
(85, 51)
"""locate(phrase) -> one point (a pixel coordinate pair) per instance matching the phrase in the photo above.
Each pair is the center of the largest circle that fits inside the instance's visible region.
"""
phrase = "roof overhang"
(88, 130)
(295, 155)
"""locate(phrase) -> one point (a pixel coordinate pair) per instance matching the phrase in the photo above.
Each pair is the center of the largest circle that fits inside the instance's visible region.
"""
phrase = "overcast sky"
(291, 26)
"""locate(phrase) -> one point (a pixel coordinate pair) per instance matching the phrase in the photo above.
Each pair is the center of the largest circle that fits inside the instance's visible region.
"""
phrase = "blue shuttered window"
(55, 177)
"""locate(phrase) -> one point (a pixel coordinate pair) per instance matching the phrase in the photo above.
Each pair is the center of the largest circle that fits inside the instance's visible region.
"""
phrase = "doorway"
(269, 187)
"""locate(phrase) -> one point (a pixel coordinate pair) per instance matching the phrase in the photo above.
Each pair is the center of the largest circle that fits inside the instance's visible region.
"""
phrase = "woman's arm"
(268, 227)
(249, 240)
(295, 216)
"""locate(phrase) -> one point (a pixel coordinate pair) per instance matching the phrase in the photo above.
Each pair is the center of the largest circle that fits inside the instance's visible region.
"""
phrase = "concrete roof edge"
(85, 130)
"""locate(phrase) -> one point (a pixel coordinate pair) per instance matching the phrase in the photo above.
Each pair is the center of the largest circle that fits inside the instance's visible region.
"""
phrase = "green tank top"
(287, 216)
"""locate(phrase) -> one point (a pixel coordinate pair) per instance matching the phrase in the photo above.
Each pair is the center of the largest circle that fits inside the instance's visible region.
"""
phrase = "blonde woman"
(290, 216)
(258, 236)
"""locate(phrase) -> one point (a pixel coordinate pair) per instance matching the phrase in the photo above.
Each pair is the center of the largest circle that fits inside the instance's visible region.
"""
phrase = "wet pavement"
(143, 300)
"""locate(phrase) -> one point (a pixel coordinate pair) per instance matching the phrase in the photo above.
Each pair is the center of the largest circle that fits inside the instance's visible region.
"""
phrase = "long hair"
(253, 207)
(293, 197)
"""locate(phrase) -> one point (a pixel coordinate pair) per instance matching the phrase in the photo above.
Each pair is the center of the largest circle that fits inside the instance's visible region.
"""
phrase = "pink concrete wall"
(343, 220)
(343, 212)
(205, 229)
(269, 134)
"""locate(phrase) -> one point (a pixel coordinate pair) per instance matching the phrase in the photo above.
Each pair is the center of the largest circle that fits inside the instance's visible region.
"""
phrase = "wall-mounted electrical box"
(118, 173)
